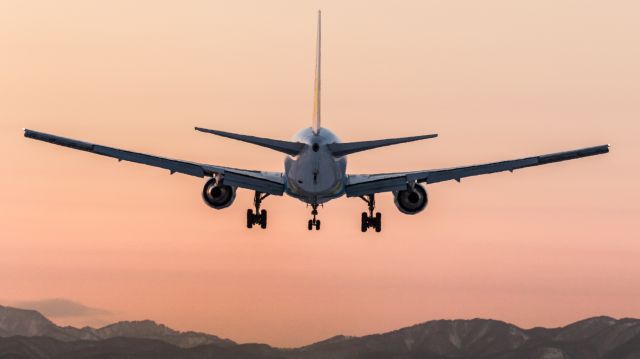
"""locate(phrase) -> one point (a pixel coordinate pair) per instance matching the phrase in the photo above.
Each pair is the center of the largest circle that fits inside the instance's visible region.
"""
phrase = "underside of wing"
(359, 185)
(266, 182)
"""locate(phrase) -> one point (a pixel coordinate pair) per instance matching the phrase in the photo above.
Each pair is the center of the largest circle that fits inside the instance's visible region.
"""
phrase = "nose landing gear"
(314, 223)
(260, 216)
(368, 220)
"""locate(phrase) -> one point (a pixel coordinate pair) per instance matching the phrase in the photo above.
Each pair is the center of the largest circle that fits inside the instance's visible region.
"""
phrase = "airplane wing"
(358, 185)
(265, 182)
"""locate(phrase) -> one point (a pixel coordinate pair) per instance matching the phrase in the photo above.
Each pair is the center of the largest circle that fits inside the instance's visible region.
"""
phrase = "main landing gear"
(314, 223)
(260, 216)
(369, 220)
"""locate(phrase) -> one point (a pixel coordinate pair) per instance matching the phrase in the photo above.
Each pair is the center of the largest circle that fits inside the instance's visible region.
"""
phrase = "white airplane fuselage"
(315, 176)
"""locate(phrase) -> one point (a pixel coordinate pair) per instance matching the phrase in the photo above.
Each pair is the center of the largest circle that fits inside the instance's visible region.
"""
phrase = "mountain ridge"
(30, 323)
(28, 334)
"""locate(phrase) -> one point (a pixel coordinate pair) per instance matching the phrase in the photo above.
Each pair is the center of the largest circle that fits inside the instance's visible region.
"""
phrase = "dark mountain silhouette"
(30, 323)
(27, 334)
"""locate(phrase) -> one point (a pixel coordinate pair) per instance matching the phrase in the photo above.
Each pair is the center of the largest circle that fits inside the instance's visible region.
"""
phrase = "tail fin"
(315, 125)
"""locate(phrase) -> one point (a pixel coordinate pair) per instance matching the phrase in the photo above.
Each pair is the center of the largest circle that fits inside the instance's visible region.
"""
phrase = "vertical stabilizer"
(315, 126)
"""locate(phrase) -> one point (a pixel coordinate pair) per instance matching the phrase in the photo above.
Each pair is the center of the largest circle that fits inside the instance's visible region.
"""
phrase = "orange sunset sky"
(497, 79)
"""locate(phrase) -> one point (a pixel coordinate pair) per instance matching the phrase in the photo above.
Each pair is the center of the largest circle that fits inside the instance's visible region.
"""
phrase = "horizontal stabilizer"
(290, 148)
(342, 149)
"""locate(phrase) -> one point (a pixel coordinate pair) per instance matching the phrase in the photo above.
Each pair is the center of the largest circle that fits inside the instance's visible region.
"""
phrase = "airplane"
(315, 168)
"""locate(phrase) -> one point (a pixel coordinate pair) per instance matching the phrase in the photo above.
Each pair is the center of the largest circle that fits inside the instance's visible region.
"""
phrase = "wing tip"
(604, 148)
(206, 130)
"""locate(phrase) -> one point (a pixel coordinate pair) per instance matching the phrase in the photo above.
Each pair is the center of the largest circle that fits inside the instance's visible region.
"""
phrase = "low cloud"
(60, 308)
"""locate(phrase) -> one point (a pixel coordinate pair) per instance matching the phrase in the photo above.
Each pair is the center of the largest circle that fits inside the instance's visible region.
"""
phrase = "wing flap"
(459, 173)
(261, 185)
(169, 164)
(376, 186)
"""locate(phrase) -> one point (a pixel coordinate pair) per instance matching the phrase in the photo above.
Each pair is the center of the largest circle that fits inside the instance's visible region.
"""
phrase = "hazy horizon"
(495, 79)
(141, 327)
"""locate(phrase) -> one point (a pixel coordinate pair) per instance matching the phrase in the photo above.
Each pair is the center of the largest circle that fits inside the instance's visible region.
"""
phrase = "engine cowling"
(218, 197)
(411, 202)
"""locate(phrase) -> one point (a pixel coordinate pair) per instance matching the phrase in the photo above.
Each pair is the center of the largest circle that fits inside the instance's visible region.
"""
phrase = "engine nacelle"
(411, 202)
(218, 197)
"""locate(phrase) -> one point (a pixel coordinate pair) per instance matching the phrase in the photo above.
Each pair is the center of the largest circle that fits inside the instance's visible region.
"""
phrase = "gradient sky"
(497, 79)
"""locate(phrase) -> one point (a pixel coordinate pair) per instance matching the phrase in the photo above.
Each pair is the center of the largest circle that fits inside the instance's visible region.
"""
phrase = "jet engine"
(411, 201)
(218, 196)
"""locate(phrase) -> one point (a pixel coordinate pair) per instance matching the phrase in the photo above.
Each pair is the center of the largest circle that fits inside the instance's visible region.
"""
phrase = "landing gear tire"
(259, 216)
(368, 220)
(378, 222)
(249, 218)
(313, 222)
(263, 219)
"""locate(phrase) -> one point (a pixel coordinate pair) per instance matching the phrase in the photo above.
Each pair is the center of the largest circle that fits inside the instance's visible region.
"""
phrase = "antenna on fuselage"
(315, 125)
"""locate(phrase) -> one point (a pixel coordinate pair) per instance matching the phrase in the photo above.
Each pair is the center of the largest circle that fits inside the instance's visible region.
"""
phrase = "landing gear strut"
(368, 220)
(260, 216)
(314, 223)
